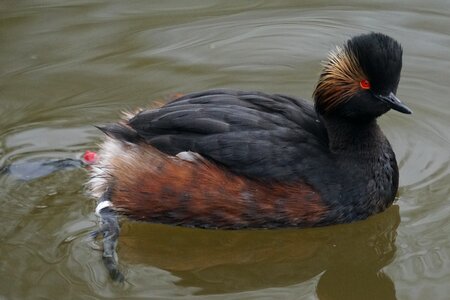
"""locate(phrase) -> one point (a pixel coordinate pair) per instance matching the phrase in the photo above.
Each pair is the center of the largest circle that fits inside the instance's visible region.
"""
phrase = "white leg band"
(101, 206)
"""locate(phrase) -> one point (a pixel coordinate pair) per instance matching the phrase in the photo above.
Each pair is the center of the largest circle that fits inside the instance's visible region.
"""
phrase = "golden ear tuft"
(340, 79)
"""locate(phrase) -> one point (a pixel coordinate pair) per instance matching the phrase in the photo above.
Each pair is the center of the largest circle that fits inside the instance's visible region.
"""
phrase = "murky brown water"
(66, 65)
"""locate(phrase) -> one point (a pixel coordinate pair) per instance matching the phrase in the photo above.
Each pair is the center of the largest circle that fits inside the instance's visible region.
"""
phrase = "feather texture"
(254, 134)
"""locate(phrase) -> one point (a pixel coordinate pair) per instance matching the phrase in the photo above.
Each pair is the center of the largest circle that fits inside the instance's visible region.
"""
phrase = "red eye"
(364, 84)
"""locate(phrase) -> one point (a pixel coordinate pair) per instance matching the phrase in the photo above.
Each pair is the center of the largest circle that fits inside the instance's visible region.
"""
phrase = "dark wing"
(255, 134)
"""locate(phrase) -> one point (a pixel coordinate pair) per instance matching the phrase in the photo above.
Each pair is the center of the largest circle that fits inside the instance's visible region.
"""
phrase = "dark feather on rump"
(120, 132)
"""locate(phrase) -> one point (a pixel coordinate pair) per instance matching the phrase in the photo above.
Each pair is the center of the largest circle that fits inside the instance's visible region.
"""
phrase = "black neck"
(366, 164)
(353, 136)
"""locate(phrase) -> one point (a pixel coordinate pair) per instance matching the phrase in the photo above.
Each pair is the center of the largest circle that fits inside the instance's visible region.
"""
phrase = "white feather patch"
(189, 156)
(100, 172)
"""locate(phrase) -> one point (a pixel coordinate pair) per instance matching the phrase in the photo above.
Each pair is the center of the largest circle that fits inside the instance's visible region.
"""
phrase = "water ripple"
(69, 64)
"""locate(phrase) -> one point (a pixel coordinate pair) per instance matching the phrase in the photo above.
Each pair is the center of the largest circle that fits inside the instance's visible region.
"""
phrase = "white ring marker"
(101, 206)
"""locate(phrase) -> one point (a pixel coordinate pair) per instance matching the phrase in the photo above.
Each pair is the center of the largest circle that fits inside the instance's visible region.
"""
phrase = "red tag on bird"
(90, 157)
(364, 84)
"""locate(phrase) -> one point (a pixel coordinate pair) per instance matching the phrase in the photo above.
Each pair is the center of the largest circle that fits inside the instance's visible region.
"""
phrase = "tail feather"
(120, 132)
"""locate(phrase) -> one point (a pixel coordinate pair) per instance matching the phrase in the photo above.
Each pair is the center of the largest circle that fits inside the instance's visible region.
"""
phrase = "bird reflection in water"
(347, 259)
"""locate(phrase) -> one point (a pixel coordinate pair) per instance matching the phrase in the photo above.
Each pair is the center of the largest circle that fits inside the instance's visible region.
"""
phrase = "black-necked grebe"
(232, 159)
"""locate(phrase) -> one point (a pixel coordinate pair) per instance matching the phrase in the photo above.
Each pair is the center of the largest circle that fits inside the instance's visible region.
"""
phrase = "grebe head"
(359, 81)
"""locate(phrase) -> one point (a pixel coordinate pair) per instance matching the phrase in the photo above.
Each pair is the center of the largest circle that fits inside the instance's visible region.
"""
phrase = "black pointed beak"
(393, 102)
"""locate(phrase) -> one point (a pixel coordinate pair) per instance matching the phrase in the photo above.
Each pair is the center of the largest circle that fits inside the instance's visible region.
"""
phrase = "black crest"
(380, 58)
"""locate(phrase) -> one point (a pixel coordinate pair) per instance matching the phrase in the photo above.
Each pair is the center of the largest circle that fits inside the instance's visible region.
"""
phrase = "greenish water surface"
(68, 65)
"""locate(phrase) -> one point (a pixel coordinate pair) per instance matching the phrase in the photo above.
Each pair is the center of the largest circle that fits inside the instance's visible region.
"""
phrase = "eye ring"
(364, 84)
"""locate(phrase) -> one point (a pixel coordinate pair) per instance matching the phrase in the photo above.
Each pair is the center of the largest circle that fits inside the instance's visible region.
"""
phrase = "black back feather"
(251, 133)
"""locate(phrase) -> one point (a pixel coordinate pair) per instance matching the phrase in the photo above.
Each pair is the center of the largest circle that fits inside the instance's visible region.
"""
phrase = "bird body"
(258, 150)
(233, 159)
